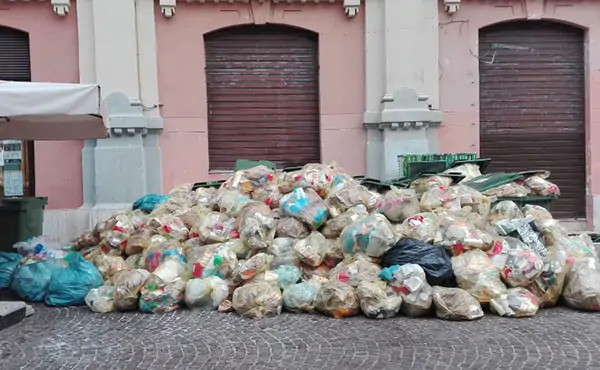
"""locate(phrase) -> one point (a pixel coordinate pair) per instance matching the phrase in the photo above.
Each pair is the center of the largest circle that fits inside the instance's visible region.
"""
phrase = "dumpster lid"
(492, 180)
(50, 111)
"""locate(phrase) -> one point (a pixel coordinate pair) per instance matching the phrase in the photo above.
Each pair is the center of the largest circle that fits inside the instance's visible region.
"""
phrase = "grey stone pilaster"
(127, 165)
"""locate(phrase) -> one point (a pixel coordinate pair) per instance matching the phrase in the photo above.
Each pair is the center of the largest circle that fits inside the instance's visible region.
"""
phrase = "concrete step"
(12, 313)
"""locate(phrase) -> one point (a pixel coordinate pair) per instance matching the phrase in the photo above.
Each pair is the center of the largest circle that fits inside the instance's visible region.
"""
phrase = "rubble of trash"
(315, 240)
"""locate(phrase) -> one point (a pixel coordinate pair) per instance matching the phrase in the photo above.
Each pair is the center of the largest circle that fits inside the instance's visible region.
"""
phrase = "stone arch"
(235, 25)
(6, 26)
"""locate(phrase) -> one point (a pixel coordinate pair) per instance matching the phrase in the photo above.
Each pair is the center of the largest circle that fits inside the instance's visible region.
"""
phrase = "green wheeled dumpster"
(20, 218)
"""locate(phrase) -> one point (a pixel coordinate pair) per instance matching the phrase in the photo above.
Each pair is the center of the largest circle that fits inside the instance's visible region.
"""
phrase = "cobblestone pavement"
(75, 338)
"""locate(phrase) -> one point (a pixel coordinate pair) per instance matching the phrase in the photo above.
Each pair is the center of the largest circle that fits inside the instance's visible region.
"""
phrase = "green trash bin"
(20, 218)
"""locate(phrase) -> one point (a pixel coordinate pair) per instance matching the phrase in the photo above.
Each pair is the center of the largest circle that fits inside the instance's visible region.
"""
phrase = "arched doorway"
(263, 95)
(532, 105)
(15, 65)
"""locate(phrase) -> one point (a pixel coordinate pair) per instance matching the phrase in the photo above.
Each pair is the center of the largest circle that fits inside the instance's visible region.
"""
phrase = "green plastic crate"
(492, 180)
(20, 219)
(542, 201)
(413, 165)
(414, 170)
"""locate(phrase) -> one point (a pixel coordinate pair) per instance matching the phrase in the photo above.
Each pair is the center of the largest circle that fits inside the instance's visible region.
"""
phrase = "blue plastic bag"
(288, 275)
(69, 286)
(9, 262)
(31, 281)
(305, 205)
(148, 202)
(300, 297)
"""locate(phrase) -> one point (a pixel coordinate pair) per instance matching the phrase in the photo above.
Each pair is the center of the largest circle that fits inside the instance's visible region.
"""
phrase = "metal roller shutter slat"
(532, 105)
(262, 92)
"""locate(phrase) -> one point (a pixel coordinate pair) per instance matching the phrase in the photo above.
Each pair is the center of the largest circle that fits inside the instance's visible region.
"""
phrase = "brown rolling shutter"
(14, 55)
(15, 65)
(263, 99)
(532, 105)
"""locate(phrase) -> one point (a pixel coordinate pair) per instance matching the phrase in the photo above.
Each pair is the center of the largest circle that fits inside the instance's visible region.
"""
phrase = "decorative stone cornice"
(404, 110)
(451, 6)
(395, 126)
(61, 7)
(125, 117)
(351, 7)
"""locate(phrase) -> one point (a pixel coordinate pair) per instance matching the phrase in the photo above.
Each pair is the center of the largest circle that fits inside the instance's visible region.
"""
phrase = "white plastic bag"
(455, 304)
(410, 282)
(206, 294)
(517, 302)
(582, 290)
(301, 297)
(101, 300)
(377, 300)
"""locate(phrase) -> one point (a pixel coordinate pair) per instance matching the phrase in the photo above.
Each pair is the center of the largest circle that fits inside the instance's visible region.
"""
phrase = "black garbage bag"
(433, 259)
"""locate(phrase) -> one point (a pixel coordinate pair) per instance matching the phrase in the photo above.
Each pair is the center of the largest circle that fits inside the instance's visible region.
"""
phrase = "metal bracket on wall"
(451, 6)
(351, 7)
(61, 7)
(167, 7)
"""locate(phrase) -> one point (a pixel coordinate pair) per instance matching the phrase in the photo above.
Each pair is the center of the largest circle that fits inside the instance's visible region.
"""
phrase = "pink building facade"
(53, 58)
(182, 81)
(464, 87)
(394, 77)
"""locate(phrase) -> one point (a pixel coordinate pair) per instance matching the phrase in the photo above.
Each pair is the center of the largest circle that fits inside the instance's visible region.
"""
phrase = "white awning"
(50, 111)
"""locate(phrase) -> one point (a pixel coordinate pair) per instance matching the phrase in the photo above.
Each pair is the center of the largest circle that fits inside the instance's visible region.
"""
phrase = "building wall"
(54, 58)
(459, 67)
(93, 44)
(182, 82)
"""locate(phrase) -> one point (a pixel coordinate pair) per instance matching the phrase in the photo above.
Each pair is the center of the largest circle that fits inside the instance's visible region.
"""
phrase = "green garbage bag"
(70, 285)
(9, 262)
(31, 281)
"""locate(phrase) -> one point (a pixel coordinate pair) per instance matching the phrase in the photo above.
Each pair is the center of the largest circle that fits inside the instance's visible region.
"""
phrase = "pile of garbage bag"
(316, 240)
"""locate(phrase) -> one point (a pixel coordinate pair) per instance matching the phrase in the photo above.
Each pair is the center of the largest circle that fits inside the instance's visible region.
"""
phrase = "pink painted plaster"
(54, 58)
(182, 81)
(459, 82)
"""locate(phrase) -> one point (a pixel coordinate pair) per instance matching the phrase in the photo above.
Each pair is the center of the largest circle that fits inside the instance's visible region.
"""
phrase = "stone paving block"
(11, 313)
(76, 338)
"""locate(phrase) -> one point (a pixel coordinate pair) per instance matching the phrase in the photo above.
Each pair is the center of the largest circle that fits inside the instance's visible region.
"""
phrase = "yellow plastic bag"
(478, 275)
(337, 299)
(399, 204)
(455, 304)
(257, 300)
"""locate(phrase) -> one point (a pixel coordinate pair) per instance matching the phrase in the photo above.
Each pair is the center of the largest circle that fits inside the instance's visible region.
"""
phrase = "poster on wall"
(12, 156)
(13, 183)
